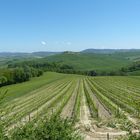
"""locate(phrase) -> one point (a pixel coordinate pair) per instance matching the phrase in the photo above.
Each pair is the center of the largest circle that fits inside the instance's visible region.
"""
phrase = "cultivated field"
(100, 106)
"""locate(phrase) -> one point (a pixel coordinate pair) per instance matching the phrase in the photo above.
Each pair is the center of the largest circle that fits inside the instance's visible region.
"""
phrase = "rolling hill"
(22, 54)
(90, 59)
(110, 51)
(94, 61)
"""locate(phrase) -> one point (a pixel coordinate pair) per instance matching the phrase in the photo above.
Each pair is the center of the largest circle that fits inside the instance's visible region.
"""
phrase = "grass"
(18, 90)
(85, 61)
(99, 62)
(134, 73)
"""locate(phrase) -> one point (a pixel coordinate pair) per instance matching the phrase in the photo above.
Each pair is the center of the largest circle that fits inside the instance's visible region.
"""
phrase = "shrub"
(54, 128)
(131, 137)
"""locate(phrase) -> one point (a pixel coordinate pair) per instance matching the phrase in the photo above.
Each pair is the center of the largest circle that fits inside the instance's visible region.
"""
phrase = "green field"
(20, 89)
(99, 62)
(104, 102)
(134, 73)
(83, 61)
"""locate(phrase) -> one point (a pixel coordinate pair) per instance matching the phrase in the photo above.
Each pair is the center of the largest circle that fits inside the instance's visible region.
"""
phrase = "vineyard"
(101, 107)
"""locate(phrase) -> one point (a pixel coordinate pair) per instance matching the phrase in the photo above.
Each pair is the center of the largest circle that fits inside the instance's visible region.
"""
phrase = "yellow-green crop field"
(101, 104)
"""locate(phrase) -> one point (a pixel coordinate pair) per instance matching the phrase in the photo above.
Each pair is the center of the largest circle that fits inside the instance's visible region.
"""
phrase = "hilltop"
(90, 59)
(109, 51)
(96, 61)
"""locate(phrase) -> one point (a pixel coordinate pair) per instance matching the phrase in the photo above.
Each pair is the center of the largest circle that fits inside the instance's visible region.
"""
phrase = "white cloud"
(43, 43)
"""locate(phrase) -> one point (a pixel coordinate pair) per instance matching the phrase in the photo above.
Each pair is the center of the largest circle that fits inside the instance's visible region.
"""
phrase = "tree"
(20, 75)
(3, 80)
(92, 73)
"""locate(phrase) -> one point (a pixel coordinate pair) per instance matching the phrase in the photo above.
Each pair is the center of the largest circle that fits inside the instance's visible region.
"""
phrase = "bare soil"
(90, 131)
(102, 112)
(68, 109)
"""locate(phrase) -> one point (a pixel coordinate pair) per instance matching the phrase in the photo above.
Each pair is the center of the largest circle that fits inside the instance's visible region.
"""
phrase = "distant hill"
(100, 60)
(34, 54)
(12, 54)
(8, 57)
(90, 59)
(109, 51)
(45, 53)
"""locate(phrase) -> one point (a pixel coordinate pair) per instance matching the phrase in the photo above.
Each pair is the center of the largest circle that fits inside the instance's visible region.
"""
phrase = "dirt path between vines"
(68, 109)
(25, 102)
(30, 117)
(89, 129)
(102, 112)
(84, 113)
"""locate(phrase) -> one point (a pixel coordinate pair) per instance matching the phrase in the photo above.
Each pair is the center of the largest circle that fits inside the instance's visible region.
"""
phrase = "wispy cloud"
(43, 43)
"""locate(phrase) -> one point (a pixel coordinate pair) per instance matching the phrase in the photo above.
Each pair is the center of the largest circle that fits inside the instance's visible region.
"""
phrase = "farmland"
(97, 105)
(112, 61)
(79, 61)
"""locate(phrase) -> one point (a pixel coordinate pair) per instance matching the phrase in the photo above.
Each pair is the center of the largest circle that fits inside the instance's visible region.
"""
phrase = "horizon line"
(71, 50)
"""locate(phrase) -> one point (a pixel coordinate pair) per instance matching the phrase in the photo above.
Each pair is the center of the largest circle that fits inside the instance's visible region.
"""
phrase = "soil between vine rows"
(62, 96)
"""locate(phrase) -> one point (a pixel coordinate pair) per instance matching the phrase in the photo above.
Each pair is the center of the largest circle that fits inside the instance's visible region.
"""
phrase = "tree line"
(68, 69)
(18, 74)
(22, 71)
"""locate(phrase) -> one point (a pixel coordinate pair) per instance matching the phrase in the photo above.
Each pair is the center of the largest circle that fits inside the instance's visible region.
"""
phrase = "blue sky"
(59, 25)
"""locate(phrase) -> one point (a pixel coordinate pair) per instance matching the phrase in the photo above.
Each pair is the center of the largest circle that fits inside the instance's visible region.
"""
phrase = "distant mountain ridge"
(45, 53)
(108, 51)
(22, 54)
(90, 59)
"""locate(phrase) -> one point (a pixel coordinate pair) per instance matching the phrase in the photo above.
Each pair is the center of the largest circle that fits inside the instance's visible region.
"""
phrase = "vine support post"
(107, 136)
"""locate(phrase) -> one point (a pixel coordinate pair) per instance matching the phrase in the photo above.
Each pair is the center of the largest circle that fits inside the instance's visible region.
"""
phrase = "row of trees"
(46, 66)
(66, 68)
(18, 74)
(52, 66)
(122, 72)
(134, 67)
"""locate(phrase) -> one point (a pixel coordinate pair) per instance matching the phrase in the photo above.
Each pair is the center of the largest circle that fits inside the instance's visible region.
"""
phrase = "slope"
(90, 61)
